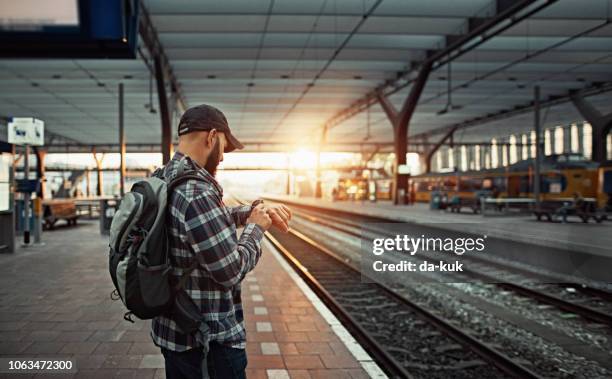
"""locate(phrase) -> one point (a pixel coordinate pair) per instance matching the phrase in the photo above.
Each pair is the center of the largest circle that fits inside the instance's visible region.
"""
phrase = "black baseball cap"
(206, 117)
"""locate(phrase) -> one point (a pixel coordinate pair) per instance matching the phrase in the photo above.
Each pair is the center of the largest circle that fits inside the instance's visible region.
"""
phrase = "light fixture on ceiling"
(449, 100)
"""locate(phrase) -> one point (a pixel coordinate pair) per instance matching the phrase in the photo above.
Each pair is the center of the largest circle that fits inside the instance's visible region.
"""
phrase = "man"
(201, 227)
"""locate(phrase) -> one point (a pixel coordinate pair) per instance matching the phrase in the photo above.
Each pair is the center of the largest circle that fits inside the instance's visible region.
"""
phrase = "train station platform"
(54, 302)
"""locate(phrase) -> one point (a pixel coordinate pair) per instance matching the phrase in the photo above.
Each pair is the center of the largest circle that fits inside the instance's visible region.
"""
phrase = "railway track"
(428, 346)
(491, 272)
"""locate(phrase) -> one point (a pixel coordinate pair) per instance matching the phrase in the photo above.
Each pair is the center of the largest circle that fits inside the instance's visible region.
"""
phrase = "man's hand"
(280, 215)
(259, 216)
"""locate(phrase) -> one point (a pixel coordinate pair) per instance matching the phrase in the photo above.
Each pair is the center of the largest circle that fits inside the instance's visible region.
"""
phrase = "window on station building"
(609, 146)
(451, 158)
(558, 143)
(504, 153)
(587, 147)
(532, 148)
(477, 157)
(513, 150)
(464, 158)
(547, 142)
(494, 154)
(574, 140)
(438, 161)
(525, 150)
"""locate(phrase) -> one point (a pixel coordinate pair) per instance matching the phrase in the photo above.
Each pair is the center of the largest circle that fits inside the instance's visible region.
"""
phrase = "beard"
(213, 160)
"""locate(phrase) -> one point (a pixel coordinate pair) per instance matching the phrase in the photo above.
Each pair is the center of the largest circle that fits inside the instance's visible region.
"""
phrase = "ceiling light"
(250, 84)
(57, 76)
(284, 76)
(357, 77)
(211, 76)
(127, 77)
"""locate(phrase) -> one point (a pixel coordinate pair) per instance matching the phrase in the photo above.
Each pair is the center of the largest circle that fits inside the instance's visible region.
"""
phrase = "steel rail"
(582, 310)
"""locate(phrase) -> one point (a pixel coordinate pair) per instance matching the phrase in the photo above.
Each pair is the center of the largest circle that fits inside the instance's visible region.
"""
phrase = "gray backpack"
(139, 249)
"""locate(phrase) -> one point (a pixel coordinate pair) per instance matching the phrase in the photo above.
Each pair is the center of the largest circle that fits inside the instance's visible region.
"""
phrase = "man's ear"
(210, 138)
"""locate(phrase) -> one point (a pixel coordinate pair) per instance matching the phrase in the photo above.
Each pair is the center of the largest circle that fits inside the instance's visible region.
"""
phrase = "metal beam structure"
(149, 36)
(593, 89)
(401, 121)
(121, 143)
(263, 147)
(479, 30)
(164, 112)
(538, 152)
(600, 124)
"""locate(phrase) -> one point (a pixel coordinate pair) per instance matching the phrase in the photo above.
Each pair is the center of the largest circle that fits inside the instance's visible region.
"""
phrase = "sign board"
(26, 131)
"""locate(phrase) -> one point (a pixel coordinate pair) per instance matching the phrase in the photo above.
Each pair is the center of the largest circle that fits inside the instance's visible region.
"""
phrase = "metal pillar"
(400, 122)
(40, 171)
(121, 144)
(164, 112)
(567, 139)
(99, 188)
(600, 124)
(538, 151)
(26, 197)
(88, 182)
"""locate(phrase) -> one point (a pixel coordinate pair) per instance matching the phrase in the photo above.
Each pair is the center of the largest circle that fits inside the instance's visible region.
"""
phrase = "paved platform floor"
(54, 302)
(589, 238)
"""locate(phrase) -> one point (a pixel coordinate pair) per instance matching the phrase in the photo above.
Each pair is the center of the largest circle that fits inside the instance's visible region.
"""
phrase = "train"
(562, 176)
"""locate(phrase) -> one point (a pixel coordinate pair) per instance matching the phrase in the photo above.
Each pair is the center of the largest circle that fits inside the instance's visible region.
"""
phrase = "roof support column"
(538, 143)
(601, 125)
(164, 112)
(400, 122)
(99, 187)
(40, 170)
(121, 144)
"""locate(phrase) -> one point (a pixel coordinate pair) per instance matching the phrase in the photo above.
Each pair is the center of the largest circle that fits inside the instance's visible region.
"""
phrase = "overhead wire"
(328, 63)
(251, 83)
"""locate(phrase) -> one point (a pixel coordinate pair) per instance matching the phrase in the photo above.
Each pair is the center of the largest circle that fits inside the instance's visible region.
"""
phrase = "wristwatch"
(256, 203)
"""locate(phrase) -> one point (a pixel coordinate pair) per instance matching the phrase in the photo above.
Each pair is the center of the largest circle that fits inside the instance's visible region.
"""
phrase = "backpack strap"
(182, 176)
(181, 283)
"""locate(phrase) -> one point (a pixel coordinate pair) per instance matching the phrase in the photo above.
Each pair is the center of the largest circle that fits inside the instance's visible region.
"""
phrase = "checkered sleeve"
(212, 237)
(240, 214)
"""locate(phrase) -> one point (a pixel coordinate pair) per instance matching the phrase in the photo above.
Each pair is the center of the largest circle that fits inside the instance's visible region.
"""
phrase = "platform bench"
(457, 203)
(59, 210)
(553, 210)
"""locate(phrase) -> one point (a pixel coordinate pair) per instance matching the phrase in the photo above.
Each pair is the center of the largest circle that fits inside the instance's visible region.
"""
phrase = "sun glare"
(303, 159)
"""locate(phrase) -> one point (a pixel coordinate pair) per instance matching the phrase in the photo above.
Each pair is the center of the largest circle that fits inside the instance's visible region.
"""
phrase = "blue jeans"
(223, 363)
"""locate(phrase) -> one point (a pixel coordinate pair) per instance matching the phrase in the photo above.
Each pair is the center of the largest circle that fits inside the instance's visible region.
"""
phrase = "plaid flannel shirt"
(201, 227)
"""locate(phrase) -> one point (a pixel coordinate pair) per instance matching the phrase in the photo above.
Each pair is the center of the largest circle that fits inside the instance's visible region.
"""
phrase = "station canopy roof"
(281, 70)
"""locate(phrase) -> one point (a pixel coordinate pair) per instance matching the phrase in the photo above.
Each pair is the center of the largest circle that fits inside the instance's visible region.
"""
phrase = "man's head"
(204, 135)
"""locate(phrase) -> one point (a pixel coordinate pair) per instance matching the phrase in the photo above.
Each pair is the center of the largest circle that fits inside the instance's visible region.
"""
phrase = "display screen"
(35, 15)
